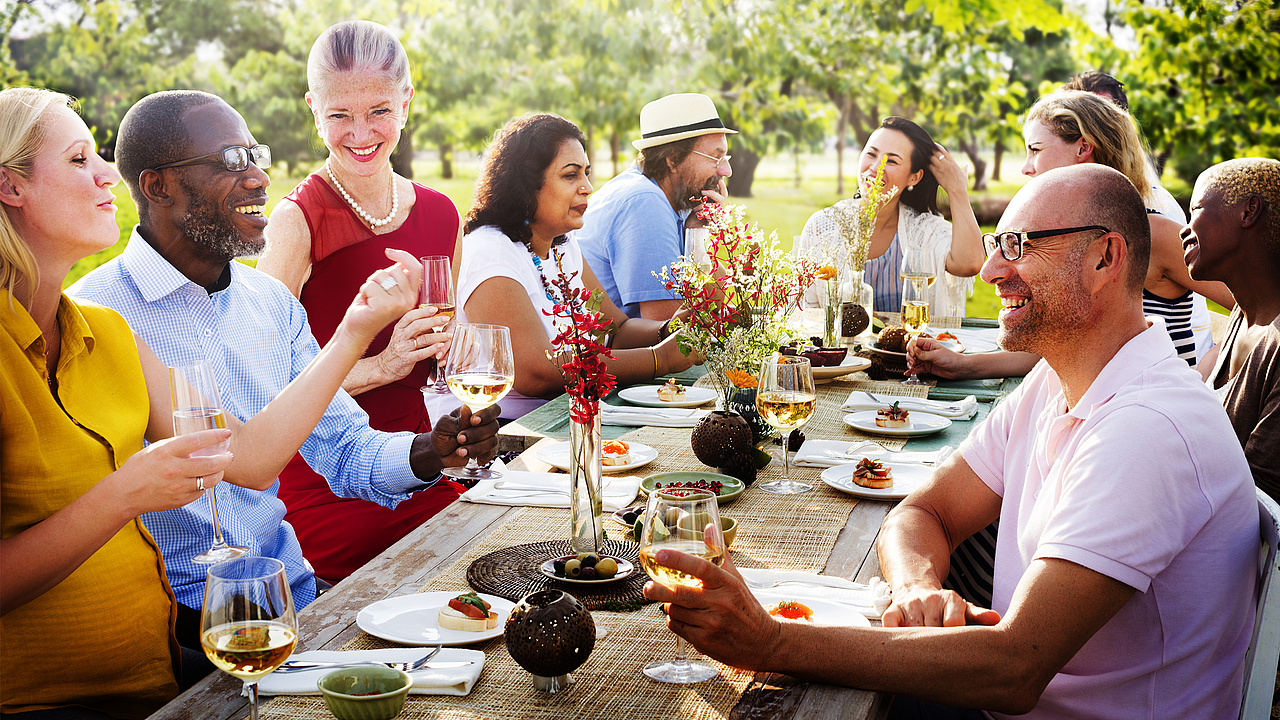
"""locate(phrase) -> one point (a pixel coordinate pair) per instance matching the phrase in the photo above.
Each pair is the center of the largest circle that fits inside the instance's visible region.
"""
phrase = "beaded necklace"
(537, 262)
(371, 220)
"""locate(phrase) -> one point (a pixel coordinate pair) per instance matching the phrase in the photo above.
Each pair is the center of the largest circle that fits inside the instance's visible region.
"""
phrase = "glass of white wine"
(437, 292)
(480, 372)
(918, 273)
(248, 627)
(662, 531)
(786, 400)
(197, 406)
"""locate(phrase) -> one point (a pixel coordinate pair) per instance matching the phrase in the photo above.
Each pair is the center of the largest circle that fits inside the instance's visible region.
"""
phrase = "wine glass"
(248, 627)
(480, 372)
(786, 400)
(198, 406)
(437, 291)
(918, 273)
(701, 537)
(697, 246)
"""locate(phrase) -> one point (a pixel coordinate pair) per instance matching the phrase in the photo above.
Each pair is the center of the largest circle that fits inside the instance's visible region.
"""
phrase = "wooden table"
(329, 622)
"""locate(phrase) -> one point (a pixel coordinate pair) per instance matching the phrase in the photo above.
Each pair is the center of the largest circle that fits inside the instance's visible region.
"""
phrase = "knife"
(297, 666)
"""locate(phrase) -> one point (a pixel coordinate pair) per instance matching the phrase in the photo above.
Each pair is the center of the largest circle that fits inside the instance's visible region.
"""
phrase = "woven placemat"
(512, 573)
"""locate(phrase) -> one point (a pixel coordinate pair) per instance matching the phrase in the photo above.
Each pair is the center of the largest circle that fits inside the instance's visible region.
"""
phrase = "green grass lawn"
(779, 203)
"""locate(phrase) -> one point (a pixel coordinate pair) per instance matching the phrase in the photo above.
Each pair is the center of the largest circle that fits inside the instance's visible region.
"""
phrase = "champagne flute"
(248, 627)
(918, 273)
(663, 531)
(786, 400)
(480, 372)
(197, 406)
(437, 291)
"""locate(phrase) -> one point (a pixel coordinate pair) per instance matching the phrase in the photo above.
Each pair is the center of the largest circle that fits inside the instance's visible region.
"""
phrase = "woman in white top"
(532, 193)
(915, 166)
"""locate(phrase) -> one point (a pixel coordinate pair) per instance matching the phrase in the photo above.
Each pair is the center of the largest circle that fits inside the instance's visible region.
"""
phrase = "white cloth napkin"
(830, 453)
(427, 681)
(657, 417)
(965, 409)
(870, 600)
(548, 490)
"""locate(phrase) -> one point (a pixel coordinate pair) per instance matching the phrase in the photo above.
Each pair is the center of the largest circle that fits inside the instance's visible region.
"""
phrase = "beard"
(1058, 308)
(209, 225)
(689, 192)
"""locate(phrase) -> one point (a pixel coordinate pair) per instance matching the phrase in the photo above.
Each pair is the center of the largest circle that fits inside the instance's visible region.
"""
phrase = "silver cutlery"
(424, 661)
(817, 580)
(536, 489)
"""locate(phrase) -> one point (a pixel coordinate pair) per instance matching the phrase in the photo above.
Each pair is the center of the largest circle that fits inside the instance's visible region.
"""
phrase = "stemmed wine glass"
(786, 400)
(702, 537)
(480, 372)
(437, 291)
(248, 627)
(918, 273)
(198, 406)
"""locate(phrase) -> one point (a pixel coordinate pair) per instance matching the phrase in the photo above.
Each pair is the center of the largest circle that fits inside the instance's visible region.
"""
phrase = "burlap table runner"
(779, 531)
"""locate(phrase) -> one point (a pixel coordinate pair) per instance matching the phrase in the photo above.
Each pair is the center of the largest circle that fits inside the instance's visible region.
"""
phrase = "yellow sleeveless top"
(103, 637)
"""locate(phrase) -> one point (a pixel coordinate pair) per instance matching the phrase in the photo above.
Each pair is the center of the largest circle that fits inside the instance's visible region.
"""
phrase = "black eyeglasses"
(235, 158)
(1010, 242)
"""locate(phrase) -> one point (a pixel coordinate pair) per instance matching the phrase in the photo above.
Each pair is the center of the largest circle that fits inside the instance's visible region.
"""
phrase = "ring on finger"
(387, 283)
(200, 484)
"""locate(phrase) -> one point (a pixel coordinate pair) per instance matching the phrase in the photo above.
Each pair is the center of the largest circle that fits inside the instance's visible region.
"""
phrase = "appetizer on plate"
(671, 391)
(468, 613)
(791, 610)
(947, 337)
(872, 474)
(892, 417)
(585, 566)
(615, 452)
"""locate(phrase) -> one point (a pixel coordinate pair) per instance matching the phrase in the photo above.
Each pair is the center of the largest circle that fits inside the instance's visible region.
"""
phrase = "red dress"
(338, 535)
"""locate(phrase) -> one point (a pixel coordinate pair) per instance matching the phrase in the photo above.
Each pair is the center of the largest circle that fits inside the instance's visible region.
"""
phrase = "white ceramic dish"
(906, 478)
(625, 568)
(411, 619)
(824, 612)
(919, 423)
(557, 456)
(851, 364)
(647, 396)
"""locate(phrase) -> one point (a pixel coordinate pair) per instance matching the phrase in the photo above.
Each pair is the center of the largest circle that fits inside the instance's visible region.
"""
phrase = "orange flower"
(826, 272)
(742, 379)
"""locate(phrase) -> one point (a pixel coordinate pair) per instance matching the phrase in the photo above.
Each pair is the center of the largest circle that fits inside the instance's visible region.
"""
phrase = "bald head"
(1236, 180)
(1090, 194)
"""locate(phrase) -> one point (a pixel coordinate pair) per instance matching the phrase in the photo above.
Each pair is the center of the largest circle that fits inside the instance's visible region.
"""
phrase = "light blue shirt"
(884, 275)
(629, 233)
(256, 336)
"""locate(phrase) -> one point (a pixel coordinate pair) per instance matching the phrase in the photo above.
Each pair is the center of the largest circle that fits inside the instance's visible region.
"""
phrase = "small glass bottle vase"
(855, 289)
(586, 516)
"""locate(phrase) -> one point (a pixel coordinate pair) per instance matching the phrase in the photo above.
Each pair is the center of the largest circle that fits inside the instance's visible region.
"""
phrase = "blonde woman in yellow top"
(86, 615)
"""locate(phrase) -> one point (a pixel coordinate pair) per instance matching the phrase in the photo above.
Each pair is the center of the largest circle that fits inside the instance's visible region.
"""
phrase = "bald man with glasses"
(1126, 563)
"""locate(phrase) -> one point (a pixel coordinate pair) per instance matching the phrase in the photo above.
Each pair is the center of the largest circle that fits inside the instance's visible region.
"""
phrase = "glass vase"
(831, 312)
(855, 289)
(586, 521)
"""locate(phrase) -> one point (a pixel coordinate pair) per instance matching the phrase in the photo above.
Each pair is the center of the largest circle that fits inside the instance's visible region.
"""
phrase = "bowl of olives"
(587, 568)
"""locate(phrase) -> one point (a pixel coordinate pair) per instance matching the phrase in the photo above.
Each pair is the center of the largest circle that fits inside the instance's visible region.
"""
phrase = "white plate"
(851, 364)
(411, 619)
(906, 477)
(919, 423)
(625, 568)
(824, 612)
(647, 396)
(557, 456)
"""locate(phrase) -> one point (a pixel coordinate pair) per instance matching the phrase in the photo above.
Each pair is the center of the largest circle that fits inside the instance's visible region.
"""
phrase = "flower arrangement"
(856, 216)
(579, 350)
(738, 307)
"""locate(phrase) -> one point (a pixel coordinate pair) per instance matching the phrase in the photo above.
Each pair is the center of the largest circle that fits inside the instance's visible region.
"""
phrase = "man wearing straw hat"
(635, 224)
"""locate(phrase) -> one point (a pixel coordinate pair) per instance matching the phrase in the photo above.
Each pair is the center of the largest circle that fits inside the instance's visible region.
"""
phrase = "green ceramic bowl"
(730, 487)
(365, 693)
(728, 527)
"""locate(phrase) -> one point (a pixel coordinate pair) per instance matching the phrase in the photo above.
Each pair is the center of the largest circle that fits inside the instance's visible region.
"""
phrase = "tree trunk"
(745, 163)
(446, 160)
(995, 166)
(591, 143)
(970, 148)
(615, 150)
(402, 158)
(842, 136)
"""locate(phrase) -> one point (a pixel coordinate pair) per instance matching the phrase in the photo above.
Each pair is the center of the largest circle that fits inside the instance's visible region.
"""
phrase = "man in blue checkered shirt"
(194, 171)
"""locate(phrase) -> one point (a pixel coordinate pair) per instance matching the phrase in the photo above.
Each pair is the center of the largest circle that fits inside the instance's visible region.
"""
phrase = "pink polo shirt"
(1143, 481)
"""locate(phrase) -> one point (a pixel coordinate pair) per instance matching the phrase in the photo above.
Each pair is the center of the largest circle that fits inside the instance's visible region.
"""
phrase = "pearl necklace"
(371, 220)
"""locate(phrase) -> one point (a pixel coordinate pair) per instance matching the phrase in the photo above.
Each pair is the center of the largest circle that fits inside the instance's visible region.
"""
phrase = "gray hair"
(358, 46)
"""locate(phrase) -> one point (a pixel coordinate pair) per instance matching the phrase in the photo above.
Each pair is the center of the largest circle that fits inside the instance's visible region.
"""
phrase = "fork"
(303, 665)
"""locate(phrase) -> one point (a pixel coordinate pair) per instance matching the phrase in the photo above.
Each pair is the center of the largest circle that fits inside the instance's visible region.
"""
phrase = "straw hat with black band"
(677, 117)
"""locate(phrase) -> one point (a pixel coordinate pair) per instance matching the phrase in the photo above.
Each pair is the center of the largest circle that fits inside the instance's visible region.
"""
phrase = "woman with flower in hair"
(531, 196)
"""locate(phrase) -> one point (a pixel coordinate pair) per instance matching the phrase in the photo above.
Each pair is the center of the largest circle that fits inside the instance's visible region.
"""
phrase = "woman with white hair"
(323, 238)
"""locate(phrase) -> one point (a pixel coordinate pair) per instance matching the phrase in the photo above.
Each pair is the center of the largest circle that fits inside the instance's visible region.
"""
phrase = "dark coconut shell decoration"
(894, 339)
(549, 633)
(853, 319)
(720, 436)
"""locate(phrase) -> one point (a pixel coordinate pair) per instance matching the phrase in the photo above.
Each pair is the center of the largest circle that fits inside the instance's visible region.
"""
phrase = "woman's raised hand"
(951, 175)
(385, 297)
(164, 475)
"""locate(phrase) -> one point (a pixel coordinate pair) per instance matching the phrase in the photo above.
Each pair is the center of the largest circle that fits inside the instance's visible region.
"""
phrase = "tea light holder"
(550, 634)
